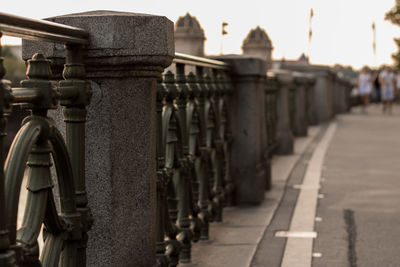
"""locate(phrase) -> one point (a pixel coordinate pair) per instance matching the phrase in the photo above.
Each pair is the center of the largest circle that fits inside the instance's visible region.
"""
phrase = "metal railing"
(37, 146)
(193, 155)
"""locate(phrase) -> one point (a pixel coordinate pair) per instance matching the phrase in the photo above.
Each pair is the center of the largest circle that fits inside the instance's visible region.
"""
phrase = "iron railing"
(37, 146)
(192, 155)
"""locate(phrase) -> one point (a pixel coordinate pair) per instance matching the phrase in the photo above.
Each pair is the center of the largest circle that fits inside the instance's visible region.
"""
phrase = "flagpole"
(374, 42)
(223, 32)
(310, 34)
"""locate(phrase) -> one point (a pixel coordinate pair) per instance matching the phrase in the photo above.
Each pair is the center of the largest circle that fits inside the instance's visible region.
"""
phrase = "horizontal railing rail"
(200, 61)
(41, 30)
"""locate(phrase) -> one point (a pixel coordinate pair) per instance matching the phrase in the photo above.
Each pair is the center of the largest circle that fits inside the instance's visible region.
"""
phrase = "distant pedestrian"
(365, 87)
(398, 86)
(387, 81)
(376, 88)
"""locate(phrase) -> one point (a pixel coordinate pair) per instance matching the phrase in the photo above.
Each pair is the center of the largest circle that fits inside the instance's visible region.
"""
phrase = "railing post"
(123, 66)
(284, 131)
(247, 118)
(311, 106)
(271, 89)
(323, 100)
(300, 120)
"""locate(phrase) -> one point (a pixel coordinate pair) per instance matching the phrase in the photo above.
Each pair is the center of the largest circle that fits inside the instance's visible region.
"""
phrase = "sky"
(342, 31)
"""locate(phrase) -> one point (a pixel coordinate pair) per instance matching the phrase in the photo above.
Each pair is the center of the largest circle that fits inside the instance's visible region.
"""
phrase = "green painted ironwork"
(7, 256)
(192, 155)
(38, 146)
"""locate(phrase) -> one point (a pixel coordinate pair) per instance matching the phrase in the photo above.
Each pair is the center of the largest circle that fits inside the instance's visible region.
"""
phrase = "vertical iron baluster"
(171, 144)
(225, 135)
(193, 132)
(7, 257)
(74, 112)
(204, 198)
(217, 186)
(210, 135)
(185, 236)
(162, 259)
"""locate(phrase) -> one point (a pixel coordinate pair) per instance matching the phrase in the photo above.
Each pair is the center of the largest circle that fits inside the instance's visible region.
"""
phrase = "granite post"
(340, 94)
(323, 95)
(348, 87)
(284, 132)
(247, 116)
(300, 118)
(126, 55)
(311, 107)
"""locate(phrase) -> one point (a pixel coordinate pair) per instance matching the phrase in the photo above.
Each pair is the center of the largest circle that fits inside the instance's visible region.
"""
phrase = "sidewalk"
(361, 208)
(335, 203)
(355, 201)
(234, 241)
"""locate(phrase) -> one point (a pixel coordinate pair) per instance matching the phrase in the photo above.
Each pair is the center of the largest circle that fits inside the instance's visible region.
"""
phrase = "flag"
(374, 38)
(310, 30)
(224, 24)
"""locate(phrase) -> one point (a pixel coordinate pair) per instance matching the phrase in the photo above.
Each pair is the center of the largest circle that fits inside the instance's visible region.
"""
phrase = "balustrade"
(37, 146)
(192, 155)
(195, 170)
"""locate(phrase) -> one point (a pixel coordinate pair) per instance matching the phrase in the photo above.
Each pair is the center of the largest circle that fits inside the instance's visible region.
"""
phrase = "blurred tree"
(393, 15)
(15, 67)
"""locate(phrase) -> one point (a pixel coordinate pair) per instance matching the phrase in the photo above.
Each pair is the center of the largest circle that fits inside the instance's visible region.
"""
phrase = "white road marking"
(298, 251)
(296, 234)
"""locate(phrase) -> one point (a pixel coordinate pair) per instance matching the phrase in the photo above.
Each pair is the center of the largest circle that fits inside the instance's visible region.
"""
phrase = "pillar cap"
(115, 38)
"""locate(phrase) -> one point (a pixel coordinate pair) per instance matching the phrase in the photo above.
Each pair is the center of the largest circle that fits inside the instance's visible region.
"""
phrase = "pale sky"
(342, 30)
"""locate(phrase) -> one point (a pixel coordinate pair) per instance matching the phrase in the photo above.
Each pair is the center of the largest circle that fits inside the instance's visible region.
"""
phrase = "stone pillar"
(126, 55)
(340, 95)
(348, 87)
(323, 96)
(284, 132)
(300, 118)
(247, 117)
(311, 106)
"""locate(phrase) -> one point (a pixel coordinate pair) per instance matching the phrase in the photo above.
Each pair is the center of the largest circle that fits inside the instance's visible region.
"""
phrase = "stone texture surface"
(247, 110)
(300, 118)
(115, 37)
(311, 108)
(284, 132)
(341, 102)
(126, 54)
(323, 95)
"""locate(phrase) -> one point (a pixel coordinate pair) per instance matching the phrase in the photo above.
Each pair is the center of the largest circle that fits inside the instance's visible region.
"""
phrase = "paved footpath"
(336, 203)
(361, 210)
(353, 207)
